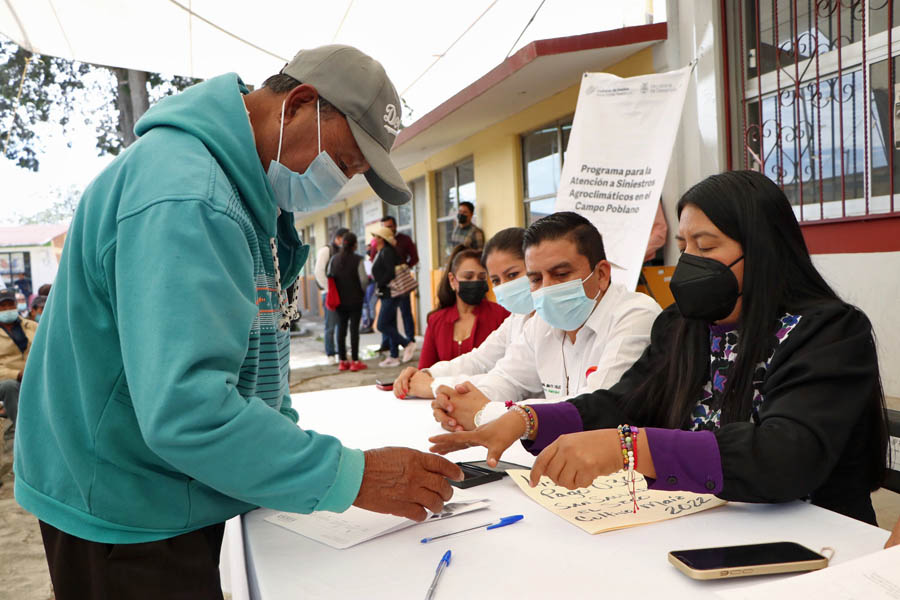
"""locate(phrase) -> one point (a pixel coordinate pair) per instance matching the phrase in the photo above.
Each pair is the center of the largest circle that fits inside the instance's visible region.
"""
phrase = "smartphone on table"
(385, 386)
(750, 559)
(477, 472)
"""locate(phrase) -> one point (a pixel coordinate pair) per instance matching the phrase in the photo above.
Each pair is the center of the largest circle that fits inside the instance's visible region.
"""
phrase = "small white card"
(355, 525)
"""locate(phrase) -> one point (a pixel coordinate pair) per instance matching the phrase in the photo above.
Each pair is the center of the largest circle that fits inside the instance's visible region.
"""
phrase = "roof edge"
(536, 49)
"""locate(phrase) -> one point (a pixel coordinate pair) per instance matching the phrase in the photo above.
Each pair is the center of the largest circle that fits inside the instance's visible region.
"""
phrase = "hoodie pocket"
(132, 485)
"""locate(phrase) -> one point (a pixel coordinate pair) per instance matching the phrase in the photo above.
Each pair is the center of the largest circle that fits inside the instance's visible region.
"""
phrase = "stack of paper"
(355, 525)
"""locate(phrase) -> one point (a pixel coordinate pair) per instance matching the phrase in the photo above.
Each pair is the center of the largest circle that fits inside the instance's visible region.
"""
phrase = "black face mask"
(472, 292)
(463, 219)
(704, 288)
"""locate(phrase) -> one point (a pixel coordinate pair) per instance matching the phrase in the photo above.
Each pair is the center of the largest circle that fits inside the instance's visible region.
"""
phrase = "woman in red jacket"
(463, 318)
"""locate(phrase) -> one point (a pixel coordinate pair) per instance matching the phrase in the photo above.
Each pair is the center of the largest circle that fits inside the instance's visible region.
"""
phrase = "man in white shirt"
(587, 331)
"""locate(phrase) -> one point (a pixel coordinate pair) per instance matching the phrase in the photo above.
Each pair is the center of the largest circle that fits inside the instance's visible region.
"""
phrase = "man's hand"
(404, 482)
(496, 436)
(455, 409)
(574, 460)
(413, 382)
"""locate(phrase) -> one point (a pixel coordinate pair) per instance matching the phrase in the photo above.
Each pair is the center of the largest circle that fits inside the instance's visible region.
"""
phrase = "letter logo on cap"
(391, 119)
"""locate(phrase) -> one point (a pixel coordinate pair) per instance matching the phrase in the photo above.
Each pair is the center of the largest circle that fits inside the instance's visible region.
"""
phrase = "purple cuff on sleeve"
(554, 420)
(686, 461)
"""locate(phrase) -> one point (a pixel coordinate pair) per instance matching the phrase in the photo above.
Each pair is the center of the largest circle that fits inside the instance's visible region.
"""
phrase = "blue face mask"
(515, 296)
(37, 318)
(8, 316)
(21, 306)
(311, 190)
(564, 305)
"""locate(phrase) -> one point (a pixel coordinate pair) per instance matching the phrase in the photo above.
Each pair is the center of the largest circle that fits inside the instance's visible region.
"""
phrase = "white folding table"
(543, 556)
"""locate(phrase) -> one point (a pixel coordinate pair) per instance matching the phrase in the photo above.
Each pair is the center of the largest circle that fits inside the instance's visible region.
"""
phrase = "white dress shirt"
(545, 366)
(481, 359)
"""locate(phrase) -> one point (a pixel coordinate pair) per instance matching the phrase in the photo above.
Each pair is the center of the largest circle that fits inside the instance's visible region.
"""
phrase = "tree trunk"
(132, 101)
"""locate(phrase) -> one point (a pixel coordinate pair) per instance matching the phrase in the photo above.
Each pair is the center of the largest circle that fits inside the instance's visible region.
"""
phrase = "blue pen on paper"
(502, 523)
(445, 562)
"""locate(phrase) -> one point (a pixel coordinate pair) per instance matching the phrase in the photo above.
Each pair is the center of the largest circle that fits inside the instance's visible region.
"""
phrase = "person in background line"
(463, 318)
(324, 255)
(44, 290)
(24, 284)
(587, 332)
(37, 308)
(16, 335)
(384, 269)
(466, 233)
(349, 273)
(406, 253)
(505, 262)
(759, 384)
(22, 304)
(368, 311)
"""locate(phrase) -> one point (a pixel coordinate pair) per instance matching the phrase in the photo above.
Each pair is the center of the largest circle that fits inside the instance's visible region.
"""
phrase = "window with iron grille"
(815, 101)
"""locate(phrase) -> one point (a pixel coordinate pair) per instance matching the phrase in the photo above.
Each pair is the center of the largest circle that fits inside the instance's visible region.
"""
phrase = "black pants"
(185, 567)
(349, 316)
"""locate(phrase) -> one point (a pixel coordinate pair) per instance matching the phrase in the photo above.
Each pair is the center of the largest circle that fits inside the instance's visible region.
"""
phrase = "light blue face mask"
(8, 316)
(311, 190)
(515, 296)
(37, 318)
(21, 306)
(564, 305)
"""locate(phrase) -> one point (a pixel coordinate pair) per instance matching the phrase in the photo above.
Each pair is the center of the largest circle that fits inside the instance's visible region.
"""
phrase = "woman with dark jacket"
(349, 273)
(759, 385)
(383, 272)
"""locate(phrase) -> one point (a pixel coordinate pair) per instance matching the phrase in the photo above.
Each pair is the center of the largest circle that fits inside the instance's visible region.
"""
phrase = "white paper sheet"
(355, 525)
(873, 577)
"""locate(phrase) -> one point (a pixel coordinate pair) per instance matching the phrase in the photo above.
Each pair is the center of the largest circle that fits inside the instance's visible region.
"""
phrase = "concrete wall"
(870, 281)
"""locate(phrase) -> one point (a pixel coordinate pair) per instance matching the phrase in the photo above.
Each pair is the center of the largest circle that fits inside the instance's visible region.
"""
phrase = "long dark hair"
(509, 240)
(779, 277)
(445, 294)
(348, 243)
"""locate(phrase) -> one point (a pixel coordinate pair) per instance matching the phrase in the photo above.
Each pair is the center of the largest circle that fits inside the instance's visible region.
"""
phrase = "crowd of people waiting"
(18, 324)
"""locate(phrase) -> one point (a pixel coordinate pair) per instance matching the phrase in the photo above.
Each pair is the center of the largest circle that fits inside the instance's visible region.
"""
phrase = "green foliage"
(53, 91)
(50, 83)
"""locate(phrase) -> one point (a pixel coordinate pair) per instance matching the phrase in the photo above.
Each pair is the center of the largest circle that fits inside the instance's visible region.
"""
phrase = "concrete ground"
(23, 569)
(310, 370)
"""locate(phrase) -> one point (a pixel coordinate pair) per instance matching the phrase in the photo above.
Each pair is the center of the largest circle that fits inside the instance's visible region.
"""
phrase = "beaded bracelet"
(528, 414)
(628, 443)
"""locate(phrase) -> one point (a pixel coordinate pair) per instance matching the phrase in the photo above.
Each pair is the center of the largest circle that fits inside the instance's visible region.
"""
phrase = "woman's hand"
(455, 409)
(574, 460)
(496, 436)
(894, 540)
(413, 382)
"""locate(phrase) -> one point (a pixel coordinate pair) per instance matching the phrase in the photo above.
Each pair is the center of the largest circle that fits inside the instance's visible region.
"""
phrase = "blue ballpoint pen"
(445, 562)
(502, 523)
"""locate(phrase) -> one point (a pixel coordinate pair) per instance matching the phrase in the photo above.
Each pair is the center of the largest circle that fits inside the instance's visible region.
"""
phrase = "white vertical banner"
(617, 158)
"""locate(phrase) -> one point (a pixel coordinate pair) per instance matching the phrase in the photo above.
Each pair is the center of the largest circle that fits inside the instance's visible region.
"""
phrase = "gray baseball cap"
(357, 85)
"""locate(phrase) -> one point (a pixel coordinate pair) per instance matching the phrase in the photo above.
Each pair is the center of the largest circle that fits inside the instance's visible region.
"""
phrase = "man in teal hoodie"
(156, 403)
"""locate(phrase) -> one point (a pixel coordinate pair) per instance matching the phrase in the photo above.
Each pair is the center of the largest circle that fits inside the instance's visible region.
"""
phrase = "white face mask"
(311, 190)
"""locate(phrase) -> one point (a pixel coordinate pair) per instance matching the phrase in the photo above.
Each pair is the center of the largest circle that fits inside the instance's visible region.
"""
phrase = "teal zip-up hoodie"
(155, 400)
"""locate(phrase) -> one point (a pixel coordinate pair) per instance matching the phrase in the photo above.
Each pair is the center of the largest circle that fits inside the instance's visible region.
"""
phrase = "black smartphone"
(475, 476)
(750, 559)
(501, 467)
(386, 386)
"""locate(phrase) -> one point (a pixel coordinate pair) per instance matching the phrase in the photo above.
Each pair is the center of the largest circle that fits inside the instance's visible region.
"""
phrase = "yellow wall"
(497, 155)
